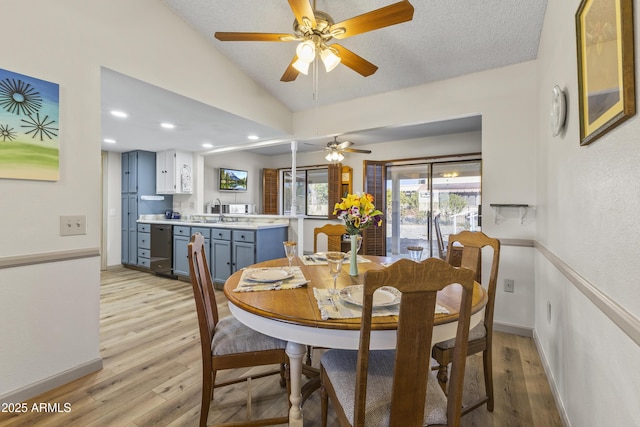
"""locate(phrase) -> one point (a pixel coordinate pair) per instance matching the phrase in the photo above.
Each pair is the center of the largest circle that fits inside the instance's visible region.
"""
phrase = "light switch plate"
(72, 225)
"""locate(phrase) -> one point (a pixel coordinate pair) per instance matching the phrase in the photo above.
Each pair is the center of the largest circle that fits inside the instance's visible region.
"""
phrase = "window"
(312, 198)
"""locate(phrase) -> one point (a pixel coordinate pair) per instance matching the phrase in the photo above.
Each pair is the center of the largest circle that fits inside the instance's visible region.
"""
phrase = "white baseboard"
(35, 389)
(513, 329)
(552, 382)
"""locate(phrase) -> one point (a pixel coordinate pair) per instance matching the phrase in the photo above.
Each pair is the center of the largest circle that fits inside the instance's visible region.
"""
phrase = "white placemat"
(312, 260)
(248, 285)
(333, 307)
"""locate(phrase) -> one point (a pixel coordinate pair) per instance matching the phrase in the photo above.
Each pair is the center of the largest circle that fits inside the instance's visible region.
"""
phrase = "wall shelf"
(499, 206)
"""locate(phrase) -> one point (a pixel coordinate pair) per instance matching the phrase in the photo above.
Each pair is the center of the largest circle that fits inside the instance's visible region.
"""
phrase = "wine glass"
(290, 251)
(334, 261)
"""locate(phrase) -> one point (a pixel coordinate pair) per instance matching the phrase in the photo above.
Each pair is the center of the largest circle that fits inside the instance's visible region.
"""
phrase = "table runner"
(333, 307)
(248, 285)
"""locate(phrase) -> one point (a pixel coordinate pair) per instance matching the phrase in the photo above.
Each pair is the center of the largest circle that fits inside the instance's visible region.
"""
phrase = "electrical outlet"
(72, 225)
(509, 285)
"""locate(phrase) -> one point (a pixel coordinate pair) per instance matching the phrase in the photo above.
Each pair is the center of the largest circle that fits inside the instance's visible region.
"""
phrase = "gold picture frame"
(606, 66)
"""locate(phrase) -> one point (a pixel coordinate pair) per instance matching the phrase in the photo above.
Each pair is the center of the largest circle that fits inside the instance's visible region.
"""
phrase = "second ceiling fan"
(314, 29)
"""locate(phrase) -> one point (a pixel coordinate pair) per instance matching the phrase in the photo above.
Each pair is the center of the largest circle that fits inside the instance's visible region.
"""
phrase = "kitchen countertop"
(244, 222)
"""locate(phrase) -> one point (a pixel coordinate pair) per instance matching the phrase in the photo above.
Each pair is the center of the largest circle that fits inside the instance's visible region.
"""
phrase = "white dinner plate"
(322, 256)
(383, 297)
(268, 275)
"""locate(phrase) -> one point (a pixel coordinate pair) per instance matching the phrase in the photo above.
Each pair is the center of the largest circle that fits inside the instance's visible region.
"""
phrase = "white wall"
(53, 308)
(587, 199)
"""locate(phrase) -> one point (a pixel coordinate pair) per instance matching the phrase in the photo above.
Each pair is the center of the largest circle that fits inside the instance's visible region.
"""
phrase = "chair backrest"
(334, 234)
(436, 226)
(203, 293)
(473, 242)
(418, 283)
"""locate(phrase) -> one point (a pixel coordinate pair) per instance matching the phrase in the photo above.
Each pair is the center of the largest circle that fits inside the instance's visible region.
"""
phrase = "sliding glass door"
(418, 193)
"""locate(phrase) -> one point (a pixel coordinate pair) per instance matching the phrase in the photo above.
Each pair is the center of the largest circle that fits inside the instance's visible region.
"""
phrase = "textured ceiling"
(445, 39)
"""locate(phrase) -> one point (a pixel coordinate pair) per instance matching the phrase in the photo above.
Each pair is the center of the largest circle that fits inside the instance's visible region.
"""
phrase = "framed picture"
(606, 69)
(29, 114)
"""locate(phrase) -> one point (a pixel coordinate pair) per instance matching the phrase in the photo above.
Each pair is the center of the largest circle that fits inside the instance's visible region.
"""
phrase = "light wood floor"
(152, 372)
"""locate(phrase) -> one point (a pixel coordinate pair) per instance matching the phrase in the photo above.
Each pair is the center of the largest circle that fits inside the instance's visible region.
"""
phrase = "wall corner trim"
(614, 311)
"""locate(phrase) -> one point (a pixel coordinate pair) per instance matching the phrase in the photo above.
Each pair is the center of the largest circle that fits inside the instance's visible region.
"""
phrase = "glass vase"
(353, 264)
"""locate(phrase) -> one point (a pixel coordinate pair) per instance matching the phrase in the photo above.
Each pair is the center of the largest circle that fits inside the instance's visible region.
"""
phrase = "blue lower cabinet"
(181, 238)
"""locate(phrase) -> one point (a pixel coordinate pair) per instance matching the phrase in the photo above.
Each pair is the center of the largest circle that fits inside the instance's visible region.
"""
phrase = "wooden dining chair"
(226, 343)
(397, 387)
(480, 337)
(334, 233)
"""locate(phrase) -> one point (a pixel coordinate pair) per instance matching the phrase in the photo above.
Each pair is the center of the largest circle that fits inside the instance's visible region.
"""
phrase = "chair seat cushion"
(476, 333)
(340, 366)
(231, 336)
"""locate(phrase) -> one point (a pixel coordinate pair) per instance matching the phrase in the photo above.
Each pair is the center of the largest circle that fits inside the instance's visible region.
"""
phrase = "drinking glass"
(334, 261)
(415, 252)
(290, 251)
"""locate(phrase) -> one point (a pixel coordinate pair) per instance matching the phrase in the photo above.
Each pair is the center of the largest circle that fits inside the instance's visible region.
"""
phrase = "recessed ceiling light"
(120, 114)
(109, 141)
(253, 137)
(207, 145)
(167, 125)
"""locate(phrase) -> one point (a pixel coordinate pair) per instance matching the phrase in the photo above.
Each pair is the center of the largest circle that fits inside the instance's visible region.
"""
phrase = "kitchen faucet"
(220, 210)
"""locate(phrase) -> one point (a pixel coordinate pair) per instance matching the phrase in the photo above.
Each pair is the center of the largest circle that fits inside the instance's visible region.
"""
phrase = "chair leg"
(208, 380)
(488, 376)
(309, 353)
(443, 377)
(324, 401)
(283, 375)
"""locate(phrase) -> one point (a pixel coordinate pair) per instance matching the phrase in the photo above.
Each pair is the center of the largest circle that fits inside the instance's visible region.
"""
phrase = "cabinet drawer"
(144, 240)
(144, 262)
(144, 253)
(145, 228)
(181, 230)
(205, 231)
(244, 236)
(220, 234)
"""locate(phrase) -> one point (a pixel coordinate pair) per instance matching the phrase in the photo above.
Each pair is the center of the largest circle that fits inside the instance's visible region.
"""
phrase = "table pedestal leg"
(295, 352)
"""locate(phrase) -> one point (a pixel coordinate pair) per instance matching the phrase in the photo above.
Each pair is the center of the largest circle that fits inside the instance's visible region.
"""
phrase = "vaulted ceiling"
(445, 39)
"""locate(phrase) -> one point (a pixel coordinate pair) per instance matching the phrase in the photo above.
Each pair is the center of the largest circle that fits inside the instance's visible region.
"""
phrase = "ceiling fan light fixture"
(329, 59)
(334, 156)
(306, 51)
(301, 66)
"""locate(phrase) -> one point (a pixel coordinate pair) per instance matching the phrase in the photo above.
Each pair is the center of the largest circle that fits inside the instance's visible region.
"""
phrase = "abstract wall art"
(29, 124)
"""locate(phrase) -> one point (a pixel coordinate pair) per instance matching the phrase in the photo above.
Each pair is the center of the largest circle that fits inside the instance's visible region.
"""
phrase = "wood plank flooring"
(152, 370)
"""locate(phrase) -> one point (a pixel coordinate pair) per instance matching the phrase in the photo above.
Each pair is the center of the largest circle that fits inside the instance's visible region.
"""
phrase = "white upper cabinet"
(174, 172)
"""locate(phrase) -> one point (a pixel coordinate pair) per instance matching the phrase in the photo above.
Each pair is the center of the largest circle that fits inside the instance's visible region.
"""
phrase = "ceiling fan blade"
(302, 9)
(393, 14)
(356, 150)
(290, 74)
(355, 62)
(343, 145)
(253, 37)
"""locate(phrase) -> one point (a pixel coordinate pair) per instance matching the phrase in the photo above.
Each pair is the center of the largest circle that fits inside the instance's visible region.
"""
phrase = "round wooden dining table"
(293, 316)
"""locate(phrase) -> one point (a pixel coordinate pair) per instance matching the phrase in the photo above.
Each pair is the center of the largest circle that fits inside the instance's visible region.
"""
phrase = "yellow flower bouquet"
(358, 212)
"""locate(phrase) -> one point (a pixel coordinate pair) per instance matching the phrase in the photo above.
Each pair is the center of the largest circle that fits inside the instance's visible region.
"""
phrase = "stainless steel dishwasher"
(161, 248)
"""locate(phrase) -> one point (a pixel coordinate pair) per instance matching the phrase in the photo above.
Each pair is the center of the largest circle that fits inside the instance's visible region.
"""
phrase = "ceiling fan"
(314, 29)
(335, 150)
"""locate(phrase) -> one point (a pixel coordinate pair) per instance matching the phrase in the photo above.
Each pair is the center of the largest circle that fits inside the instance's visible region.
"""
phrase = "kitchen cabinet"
(221, 250)
(144, 245)
(138, 197)
(181, 238)
(174, 172)
(235, 249)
